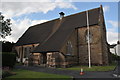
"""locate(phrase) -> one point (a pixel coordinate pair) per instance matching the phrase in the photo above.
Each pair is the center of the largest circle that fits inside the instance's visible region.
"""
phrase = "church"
(66, 41)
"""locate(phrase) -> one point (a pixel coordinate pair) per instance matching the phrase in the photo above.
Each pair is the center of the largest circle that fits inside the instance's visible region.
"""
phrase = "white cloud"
(19, 27)
(66, 5)
(12, 9)
(60, 0)
(33, 0)
(106, 8)
(34, 22)
(112, 37)
(112, 32)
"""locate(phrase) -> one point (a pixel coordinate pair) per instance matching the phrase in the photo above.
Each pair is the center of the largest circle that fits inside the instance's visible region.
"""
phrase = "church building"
(66, 41)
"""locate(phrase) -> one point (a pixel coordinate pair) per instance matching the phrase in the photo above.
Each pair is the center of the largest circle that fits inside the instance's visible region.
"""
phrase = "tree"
(5, 29)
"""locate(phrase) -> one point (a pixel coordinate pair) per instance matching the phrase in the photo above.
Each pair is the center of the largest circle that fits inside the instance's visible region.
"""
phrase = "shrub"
(115, 57)
(7, 72)
(8, 59)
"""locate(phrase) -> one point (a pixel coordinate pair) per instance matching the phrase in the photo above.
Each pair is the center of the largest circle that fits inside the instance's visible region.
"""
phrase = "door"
(43, 58)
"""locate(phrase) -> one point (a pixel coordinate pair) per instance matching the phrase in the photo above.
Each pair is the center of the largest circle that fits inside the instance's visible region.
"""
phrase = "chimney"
(61, 15)
(101, 6)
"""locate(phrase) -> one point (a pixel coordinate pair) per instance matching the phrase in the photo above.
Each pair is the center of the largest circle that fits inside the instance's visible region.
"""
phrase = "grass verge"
(31, 74)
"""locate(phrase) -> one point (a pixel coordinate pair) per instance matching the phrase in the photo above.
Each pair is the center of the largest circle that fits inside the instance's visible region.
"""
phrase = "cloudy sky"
(25, 14)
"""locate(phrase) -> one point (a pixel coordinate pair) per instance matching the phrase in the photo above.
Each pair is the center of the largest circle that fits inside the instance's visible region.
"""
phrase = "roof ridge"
(63, 17)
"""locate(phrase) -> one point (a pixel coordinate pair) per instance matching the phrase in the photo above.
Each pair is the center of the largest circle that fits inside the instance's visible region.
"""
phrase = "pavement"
(91, 75)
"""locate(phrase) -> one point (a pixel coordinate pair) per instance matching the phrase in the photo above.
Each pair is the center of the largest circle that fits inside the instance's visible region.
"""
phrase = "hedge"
(8, 59)
(115, 57)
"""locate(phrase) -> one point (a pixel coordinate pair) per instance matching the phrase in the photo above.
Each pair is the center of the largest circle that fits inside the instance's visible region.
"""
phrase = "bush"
(115, 57)
(7, 72)
(8, 59)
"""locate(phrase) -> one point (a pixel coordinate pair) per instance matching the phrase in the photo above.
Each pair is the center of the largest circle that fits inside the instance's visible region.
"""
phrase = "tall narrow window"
(69, 48)
(88, 37)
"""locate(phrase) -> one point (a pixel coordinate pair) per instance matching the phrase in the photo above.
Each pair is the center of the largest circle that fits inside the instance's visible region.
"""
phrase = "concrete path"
(74, 74)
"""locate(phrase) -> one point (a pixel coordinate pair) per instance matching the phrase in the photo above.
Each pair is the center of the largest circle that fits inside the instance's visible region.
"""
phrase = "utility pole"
(88, 39)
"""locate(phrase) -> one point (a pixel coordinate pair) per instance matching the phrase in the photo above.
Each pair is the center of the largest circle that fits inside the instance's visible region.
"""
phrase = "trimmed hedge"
(8, 59)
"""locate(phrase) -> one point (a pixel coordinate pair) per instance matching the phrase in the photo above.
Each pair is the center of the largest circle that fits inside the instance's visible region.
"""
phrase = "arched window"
(69, 48)
(88, 37)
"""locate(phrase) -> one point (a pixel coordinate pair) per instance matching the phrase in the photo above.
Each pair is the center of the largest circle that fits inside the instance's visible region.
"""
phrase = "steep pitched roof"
(51, 39)
(37, 33)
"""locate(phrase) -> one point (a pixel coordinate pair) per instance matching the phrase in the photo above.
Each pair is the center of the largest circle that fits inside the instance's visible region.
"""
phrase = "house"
(112, 48)
(115, 48)
(63, 42)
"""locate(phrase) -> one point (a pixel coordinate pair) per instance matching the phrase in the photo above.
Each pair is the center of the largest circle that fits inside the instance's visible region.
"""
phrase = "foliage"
(5, 29)
(8, 59)
(115, 57)
(6, 72)
(31, 74)
(7, 46)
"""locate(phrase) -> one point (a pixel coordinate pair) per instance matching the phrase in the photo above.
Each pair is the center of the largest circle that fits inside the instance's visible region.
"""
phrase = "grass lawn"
(93, 68)
(31, 74)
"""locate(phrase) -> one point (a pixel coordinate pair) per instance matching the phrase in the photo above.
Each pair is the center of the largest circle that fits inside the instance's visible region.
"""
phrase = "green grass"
(31, 74)
(93, 68)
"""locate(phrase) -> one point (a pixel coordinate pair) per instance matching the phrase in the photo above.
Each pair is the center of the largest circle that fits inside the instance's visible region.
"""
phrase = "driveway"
(75, 74)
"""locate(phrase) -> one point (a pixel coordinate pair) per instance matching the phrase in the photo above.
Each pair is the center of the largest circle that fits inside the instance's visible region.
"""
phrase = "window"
(69, 48)
(88, 37)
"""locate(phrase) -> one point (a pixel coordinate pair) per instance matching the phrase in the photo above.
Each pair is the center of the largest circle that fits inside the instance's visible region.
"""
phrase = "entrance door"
(43, 58)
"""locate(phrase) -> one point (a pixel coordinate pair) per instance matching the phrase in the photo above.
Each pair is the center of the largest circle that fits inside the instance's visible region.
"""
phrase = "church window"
(69, 48)
(88, 37)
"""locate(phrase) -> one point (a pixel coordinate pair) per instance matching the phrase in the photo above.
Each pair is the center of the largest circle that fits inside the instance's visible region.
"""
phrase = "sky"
(25, 14)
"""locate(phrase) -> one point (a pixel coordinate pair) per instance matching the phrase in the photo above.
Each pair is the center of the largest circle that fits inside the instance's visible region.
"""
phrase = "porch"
(54, 59)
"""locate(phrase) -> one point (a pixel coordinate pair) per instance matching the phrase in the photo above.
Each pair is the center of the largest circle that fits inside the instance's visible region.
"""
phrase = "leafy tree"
(5, 29)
